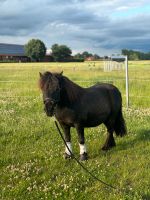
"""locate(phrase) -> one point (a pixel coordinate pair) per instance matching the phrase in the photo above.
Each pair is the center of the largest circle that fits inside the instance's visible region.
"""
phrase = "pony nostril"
(52, 102)
(46, 101)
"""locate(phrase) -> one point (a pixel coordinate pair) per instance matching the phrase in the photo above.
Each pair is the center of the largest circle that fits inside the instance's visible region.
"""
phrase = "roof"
(12, 49)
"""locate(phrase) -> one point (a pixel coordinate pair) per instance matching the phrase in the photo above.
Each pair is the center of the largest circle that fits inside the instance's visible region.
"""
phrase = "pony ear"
(41, 75)
(61, 73)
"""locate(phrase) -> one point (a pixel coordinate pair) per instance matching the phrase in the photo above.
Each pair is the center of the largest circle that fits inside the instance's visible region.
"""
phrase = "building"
(90, 58)
(12, 52)
(16, 53)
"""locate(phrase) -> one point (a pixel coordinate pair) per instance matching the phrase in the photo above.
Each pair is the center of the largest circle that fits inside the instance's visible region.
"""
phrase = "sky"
(98, 26)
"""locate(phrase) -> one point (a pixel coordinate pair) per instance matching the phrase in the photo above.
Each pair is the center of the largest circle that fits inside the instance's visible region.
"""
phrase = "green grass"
(31, 156)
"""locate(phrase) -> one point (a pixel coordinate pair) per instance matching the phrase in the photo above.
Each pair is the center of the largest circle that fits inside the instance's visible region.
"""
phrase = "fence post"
(127, 82)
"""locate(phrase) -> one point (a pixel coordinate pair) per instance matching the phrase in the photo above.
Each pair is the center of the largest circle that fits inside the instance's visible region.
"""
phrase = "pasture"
(31, 157)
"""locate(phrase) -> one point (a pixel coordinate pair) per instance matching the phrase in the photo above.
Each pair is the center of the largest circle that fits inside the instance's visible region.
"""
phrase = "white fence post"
(127, 82)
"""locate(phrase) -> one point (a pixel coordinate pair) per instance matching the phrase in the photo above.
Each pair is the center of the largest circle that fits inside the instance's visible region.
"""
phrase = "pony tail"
(120, 126)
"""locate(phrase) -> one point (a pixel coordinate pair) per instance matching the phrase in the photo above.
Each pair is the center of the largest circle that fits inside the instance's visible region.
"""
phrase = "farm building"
(16, 53)
(12, 52)
(91, 58)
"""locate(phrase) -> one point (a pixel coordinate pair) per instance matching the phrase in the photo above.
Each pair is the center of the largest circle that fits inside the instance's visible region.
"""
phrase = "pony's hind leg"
(110, 142)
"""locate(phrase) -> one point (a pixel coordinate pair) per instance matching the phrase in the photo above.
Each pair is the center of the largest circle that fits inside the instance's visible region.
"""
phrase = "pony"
(78, 107)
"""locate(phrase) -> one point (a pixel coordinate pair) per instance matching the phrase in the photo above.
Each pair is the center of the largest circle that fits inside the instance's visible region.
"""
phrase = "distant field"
(31, 158)
(21, 79)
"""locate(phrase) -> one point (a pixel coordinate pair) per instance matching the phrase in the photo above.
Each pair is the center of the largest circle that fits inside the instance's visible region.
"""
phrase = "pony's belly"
(92, 124)
(94, 121)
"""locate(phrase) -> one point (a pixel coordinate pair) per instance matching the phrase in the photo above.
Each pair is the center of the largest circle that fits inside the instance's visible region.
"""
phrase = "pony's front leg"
(68, 148)
(83, 152)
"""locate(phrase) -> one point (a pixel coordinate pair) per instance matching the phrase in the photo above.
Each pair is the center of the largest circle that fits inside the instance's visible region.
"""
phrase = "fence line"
(40, 96)
(78, 81)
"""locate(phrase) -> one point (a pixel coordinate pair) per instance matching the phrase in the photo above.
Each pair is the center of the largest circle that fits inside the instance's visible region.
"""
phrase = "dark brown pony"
(74, 106)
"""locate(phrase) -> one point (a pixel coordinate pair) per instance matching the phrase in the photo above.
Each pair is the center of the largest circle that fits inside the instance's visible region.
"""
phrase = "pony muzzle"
(49, 108)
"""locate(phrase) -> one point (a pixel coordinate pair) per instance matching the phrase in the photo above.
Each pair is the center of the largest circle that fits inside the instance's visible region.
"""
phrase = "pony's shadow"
(146, 197)
(144, 135)
(141, 136)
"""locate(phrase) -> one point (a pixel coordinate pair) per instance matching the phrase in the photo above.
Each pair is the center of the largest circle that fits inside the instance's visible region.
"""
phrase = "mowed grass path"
(31, 156)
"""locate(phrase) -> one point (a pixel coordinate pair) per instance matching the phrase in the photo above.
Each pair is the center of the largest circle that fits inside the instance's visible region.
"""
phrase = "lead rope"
(73, 156)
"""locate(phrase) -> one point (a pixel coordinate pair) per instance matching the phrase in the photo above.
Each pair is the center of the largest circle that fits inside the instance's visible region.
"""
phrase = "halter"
(53, 101)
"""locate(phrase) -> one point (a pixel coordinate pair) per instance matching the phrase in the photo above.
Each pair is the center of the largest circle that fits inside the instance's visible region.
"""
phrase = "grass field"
(31, 156)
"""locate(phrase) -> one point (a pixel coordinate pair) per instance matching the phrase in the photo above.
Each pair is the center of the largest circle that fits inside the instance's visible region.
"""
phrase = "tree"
(61, 52)
(35, 49)
(78, 56)
(136, 55)
(133, 56)
(86, 54)
(96, 57)
(125, 52)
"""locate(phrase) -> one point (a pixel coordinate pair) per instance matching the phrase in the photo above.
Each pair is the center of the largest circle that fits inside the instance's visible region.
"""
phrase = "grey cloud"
(136, 44)
(89, 23)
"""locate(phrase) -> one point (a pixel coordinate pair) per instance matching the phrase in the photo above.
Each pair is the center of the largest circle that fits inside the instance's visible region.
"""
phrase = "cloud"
(98, 26)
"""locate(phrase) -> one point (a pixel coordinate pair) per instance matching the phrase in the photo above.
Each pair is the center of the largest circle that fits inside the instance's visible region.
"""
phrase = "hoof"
(66, 156)
(83, 156)
(104, 148)
(108, 145)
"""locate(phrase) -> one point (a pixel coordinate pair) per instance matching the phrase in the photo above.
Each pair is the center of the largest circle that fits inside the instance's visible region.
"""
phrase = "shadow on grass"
(141, 136)
(146, 197)
(125, 144)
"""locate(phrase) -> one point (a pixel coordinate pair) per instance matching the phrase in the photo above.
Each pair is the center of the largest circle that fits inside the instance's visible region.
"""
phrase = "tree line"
(35, 49)
(136, 55)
